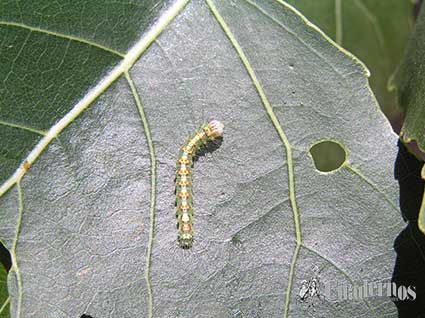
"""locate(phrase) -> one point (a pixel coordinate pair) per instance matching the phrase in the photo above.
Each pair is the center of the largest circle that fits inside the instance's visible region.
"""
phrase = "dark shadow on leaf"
(409, 269)
(5, 257)
(210, 147)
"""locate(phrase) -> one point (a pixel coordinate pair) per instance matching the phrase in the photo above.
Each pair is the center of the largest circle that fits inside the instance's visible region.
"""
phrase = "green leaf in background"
(409, 85)
(4, 295)
(375, 31)
(91, 225)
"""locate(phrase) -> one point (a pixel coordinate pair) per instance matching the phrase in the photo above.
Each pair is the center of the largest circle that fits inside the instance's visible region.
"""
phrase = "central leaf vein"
(283, 138)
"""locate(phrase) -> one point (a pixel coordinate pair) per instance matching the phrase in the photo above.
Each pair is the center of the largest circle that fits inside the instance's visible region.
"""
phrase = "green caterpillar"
(184, 209)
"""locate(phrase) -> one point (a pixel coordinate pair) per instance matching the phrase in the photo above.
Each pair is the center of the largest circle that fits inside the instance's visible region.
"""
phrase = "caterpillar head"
(216, 129)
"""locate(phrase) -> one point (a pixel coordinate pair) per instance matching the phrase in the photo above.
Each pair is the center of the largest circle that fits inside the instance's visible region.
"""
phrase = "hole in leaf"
(328, 155)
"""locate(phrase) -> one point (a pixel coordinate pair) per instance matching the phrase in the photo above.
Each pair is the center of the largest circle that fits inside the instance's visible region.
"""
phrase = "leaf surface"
(375, 31)
(91, 224)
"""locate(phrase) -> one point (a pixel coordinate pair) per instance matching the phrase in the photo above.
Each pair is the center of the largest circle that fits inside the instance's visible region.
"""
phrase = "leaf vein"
(130, 58)
(148, 136)
(338, 22)
(3, 307)
(15, 265)
(62, 36)
(289, 31)
(375, 24)
(373, 185)
(19, 126)
(363, 67)
(282, 136)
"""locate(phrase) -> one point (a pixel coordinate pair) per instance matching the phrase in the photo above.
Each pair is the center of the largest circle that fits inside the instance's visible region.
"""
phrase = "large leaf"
(375, 31)
(91, 226)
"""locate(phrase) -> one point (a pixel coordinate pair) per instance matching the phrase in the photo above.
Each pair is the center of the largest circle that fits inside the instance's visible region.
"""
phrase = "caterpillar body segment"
(183, 190)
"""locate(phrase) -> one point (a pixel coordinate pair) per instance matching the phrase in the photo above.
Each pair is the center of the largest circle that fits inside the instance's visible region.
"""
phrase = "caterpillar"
(184, 209)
